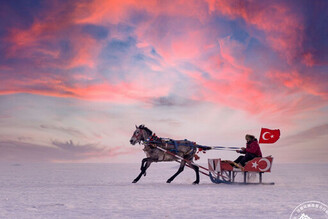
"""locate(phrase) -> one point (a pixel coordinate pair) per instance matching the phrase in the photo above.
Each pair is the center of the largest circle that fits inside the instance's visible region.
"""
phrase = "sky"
(77, 76)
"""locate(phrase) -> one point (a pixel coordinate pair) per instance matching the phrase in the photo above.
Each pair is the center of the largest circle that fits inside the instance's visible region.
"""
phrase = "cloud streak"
(70, 131)
(18, 151)
(307, 135)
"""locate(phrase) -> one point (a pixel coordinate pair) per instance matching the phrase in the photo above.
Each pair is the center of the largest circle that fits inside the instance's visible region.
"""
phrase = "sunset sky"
(77, 76)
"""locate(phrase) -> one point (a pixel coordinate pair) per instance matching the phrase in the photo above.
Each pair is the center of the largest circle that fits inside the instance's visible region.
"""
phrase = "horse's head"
(140, 134)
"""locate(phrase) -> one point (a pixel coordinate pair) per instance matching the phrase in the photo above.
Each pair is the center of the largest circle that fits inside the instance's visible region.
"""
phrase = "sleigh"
(221, 171)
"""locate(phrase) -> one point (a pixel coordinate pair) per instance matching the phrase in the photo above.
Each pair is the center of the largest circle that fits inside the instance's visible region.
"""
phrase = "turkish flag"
(269, 136)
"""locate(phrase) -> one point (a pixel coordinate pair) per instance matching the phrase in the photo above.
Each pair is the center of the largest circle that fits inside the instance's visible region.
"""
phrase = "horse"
(182, 148)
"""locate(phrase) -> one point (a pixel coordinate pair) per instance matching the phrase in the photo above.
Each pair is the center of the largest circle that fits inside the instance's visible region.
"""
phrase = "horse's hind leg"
(145, 163)
(196, 168)
(182, 165)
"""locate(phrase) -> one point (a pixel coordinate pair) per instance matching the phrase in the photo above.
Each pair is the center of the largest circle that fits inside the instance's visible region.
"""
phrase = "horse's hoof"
(168, 181)
(195, 183)
(134, 181)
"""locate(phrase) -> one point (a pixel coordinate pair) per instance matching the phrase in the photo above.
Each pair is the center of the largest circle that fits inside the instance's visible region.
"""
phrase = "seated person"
(251, 151)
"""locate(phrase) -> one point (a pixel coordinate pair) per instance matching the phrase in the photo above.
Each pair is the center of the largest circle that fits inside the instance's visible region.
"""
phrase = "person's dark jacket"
(253, 147)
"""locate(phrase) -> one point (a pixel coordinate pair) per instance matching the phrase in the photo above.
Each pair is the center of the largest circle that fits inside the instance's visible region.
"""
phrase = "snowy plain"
(106, 191)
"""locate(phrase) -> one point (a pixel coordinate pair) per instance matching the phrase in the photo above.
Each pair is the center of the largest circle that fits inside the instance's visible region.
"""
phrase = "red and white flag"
(269, 136)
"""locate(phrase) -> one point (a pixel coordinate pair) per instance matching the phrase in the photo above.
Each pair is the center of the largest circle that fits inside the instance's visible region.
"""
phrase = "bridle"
(139, 134)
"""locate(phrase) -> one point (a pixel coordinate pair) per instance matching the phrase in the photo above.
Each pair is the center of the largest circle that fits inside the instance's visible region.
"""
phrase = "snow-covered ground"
(105, 191)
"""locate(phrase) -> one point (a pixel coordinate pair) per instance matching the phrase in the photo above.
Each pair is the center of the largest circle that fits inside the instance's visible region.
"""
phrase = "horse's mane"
(146, 129)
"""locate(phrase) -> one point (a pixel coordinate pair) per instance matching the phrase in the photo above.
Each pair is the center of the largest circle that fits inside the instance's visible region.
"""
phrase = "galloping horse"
(182, 148)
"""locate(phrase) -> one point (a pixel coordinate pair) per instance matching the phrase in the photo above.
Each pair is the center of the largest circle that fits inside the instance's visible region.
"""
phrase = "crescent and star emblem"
(268, 165)
(263, 136)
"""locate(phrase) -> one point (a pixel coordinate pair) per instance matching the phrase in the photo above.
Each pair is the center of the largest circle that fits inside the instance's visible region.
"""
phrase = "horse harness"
(153, 142)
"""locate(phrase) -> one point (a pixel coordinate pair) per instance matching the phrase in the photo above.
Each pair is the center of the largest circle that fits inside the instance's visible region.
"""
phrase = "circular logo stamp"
(310, 210)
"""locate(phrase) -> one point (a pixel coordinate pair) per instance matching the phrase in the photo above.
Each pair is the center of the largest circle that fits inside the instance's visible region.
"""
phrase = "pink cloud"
(238, 86)
(294, 81)
(29, 43)
(56, 24)
(102, 11)
(121, 93)
(230, 81)
(283, 27)
(174, 43)
(115, 11)
(179, 33)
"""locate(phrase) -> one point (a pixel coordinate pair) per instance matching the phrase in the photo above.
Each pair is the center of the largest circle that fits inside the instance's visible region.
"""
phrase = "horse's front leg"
(145, 163)
(181, 168)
